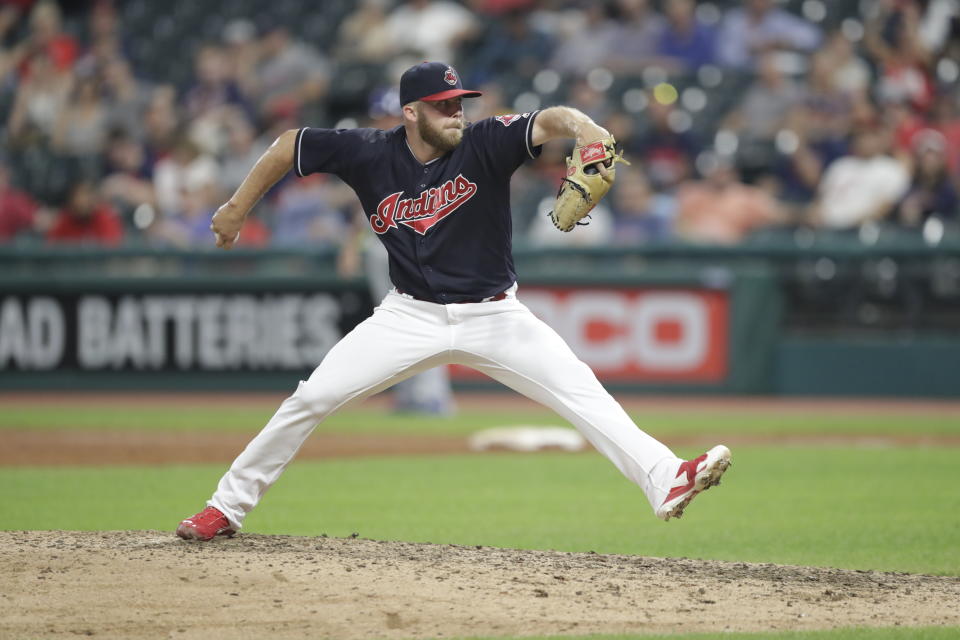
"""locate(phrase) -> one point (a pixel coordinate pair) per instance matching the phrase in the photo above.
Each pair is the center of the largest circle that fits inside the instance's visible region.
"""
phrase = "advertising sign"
(638, 335)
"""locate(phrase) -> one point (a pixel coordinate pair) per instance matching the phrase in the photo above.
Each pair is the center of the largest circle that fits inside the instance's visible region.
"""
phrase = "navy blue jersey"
(446, 224)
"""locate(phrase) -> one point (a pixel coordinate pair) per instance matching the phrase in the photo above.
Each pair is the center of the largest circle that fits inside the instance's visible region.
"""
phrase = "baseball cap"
(432, 81)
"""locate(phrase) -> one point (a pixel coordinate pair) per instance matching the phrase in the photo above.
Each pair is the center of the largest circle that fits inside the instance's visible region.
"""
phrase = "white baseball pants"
(502, 339)
(429, 390)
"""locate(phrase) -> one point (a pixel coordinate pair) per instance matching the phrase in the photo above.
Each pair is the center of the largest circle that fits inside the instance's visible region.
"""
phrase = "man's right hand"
(226, 224)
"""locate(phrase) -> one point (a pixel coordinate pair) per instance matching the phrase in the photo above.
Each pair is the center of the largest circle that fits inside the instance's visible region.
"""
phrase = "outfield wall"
(694, 320)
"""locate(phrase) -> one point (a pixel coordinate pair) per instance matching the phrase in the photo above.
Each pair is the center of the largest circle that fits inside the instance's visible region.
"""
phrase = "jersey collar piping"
(414, 156)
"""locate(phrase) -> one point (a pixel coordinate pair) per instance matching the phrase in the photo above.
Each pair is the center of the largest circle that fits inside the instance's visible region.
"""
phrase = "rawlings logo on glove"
(585, 184)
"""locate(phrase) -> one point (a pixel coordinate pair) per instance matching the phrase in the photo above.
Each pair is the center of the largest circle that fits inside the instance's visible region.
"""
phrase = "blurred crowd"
(128, 122)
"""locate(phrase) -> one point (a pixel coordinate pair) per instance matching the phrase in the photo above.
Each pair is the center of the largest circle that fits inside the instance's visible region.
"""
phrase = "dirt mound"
(149, 584)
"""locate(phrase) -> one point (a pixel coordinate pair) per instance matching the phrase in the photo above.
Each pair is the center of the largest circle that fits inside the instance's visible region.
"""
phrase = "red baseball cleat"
(692, 477)
(206, 525)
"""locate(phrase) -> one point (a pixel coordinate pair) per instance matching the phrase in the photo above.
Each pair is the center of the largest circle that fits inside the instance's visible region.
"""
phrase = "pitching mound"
(149, 584)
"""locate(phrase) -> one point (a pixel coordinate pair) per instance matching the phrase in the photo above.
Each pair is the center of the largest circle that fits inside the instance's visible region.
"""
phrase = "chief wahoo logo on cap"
(450, 76)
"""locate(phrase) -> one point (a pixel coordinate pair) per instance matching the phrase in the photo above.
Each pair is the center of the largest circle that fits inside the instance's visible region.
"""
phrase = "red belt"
(500, 296)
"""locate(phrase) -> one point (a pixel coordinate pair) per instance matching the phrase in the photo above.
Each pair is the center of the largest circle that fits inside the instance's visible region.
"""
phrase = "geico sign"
(650, 334)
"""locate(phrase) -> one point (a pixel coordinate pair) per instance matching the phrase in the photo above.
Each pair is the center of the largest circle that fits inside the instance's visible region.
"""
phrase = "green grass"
(885, 509)
(895, 633)
(371, 420)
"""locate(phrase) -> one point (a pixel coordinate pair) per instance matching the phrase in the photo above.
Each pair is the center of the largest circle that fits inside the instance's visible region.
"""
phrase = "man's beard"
(442, 139)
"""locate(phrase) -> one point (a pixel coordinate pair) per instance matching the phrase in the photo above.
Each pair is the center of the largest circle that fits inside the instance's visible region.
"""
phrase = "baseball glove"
(584, 185)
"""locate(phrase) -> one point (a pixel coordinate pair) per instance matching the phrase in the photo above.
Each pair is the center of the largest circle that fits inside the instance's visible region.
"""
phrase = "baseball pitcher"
(435, 191)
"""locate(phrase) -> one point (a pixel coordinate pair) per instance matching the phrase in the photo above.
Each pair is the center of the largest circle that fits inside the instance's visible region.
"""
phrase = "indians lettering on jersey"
(424, 211)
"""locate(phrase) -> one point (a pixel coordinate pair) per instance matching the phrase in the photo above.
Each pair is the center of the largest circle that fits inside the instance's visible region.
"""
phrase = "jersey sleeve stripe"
(296, 165)
(529, 135)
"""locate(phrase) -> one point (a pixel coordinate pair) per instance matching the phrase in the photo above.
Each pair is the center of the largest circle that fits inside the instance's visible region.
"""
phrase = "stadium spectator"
(430, 29)
(528, 189)
(500, 7)
(830, 108)
(634, 44)
(213, 88)
(623, 127)
(39, 100)
(187, 168)
(364, 35)
(104, 21)
(189, 227)
(105, 40)
(757, 28)
(161, 122)
(813, 134)
(937, 23)
(932, 193)
(289, 74)
(127, 182)
(212, 99)
(18, 210)
(686, 43)
(799, 163)
(944, 118)
(761, 112)
(640, 215)
(593, 102)
(81, 126)
(125, 97)
(667, 153)
(10, 14)
(893, 40)
(46, 40)
(310, 212)
(849, 72)
(721, 209)
(863, 186)
(513, 44)
(904, 122)
(239, 39)
(586, 43)
(242, 149)
(85, 219)
(491, 103)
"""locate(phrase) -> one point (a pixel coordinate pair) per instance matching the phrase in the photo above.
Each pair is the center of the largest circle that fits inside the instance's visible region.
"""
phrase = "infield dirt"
(149, 584)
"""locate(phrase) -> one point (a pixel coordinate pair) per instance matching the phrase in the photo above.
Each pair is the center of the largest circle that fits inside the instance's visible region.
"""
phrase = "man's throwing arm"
(275, 163)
